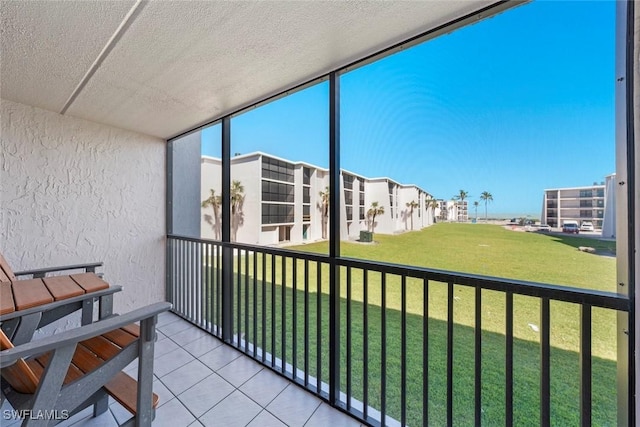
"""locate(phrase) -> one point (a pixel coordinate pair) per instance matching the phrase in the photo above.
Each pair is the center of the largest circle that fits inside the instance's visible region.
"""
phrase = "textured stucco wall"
(76, 191)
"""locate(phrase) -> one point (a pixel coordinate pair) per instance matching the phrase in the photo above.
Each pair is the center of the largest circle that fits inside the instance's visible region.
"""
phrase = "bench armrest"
(40, 272)
(74, 336)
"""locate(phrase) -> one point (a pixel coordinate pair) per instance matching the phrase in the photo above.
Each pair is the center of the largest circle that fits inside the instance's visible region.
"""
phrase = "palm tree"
(487, 197)
(411, 205)
(475, 205)
(324, 207)
(214, 201)
(237, 200)
(374, 211)
(432, 204)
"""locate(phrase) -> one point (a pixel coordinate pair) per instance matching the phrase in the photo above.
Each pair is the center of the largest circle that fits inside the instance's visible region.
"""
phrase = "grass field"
(492, 251)
(480, 249)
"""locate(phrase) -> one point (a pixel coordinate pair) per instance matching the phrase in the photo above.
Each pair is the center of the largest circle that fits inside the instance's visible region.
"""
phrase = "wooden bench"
(24, 294)
(74, 369)
(33, 302)
(8, 275)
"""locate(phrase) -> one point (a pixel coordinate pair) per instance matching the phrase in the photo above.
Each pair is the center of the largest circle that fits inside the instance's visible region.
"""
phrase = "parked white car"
(537, 227)
(586, 226)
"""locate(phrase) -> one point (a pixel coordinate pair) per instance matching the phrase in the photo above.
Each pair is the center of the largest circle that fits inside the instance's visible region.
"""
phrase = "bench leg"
(87, 312)
(145, 372)
(101, 406)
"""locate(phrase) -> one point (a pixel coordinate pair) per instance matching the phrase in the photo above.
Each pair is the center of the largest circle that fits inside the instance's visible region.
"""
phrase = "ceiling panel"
(182, 63)
(48, 46)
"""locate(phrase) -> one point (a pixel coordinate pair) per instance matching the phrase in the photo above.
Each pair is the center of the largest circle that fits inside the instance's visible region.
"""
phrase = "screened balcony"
(103, 110)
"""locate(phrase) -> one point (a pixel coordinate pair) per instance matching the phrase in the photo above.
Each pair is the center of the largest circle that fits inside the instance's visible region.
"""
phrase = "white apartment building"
(593, 203)
(452, 210)
(282, 201)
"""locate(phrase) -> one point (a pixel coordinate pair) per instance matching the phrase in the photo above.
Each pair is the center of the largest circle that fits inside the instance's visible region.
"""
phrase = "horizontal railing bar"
(570, 294)
(265, 249)
(520, 287)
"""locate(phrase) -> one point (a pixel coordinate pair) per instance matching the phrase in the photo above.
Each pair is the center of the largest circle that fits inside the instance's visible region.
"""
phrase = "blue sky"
(512, 105)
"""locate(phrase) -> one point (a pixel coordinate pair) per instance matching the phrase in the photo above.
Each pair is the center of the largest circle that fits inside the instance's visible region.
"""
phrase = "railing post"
(334, 238)
(585, 365)
(227, 251)
(168, 262)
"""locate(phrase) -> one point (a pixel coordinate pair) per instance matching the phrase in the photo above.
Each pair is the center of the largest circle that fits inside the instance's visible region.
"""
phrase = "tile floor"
(202, 382)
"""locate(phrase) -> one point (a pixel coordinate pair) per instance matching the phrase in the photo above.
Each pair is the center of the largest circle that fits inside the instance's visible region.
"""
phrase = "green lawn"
(493, 251)
(480, 249)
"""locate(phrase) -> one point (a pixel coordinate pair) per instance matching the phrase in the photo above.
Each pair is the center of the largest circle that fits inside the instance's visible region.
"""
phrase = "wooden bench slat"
(85, 359)
(19, 375)
(6, 273)
(62, 287)
(103, 348)
(36, 367)
(73, 373)
(89, 282)
(30, 293)
(124, 390)
(133, 329)
(121, 337)
(6, 298)
(24, 375)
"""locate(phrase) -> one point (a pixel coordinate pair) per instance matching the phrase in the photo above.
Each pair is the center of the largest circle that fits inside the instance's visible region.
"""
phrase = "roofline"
(575, 188)
(301, 163)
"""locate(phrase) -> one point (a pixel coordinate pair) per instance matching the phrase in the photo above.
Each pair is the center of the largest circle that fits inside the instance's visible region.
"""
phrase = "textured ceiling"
(162, 67)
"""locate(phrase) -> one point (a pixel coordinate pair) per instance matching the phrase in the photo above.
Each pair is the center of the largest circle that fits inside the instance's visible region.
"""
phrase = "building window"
(586, 193)
(361, 186)
(586, 214)
(306, 195)
(349, 213)
(273, 213)
(277, 169)
(348, 181)
(361, 213)
(586, 203)
(277, 192)
(348, 197)
(306, 176)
